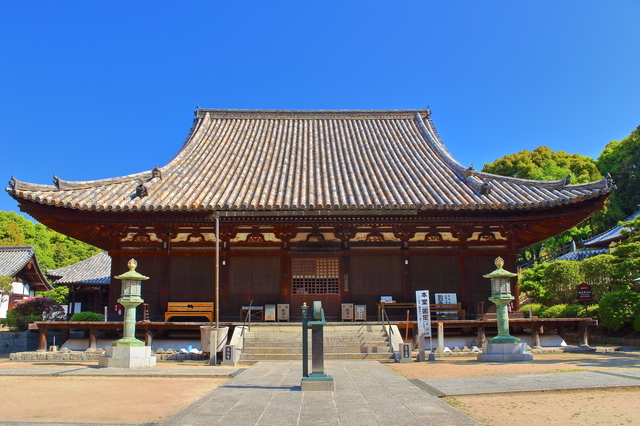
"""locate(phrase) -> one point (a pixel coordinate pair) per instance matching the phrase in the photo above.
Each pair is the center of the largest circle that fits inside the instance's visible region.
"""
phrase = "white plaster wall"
(17, 288)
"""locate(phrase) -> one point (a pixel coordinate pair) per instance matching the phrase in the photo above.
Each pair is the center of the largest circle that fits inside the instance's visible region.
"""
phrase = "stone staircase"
(270, 342)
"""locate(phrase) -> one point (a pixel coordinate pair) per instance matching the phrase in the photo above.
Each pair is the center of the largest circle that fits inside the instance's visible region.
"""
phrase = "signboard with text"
(424, 312)
(584, 293)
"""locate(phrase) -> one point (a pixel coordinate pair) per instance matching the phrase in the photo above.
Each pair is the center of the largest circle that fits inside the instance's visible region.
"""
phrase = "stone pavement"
(367, 393)
(533, 382)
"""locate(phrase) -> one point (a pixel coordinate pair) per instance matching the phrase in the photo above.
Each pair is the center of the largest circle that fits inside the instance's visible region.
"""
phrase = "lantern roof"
(132, 274)
(500, 272)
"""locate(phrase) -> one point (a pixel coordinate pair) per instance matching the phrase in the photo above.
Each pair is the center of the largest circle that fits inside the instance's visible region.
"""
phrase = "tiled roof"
(94, 270)
(246, 160)
(15, 260)
(611, 235)
(581, 255)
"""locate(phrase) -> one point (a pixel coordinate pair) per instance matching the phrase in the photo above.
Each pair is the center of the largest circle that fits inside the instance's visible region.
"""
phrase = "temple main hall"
(284, 207)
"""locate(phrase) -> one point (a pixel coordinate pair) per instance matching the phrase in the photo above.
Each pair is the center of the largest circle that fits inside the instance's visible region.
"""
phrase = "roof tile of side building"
(16, 259)
(251, 160)
(94, 270)
(610, 235)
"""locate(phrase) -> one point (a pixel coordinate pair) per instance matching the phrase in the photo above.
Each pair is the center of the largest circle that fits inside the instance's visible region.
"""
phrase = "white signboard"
(445, 298)
(423, 311)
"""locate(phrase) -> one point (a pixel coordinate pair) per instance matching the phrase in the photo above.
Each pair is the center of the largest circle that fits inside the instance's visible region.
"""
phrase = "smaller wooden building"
(88, 283)
(21, 264)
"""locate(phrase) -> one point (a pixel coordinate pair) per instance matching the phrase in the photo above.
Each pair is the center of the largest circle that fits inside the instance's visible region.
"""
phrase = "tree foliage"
(621, 159)
(60, 294)
(598, 273)
(544, 164)
(618, 309)
(561, 280)
(626, 255)
(6, 287)
(532, 283)
(53, 249)
(34, 309)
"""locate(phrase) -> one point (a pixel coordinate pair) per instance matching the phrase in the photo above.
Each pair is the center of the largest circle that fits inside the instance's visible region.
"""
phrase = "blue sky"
(91, 90)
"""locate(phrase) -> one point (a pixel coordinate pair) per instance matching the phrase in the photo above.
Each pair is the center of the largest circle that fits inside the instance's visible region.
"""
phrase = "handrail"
(384, 315)
(247, 320)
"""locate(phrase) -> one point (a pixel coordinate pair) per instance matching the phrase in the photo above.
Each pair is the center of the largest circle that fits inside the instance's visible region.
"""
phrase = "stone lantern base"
(127, 357)
(504, 352)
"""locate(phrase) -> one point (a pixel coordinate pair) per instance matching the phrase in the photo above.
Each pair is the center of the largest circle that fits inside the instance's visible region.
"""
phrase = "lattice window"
(316, 276)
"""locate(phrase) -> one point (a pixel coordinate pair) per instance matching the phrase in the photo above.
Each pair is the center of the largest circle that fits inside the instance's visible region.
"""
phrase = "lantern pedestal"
(127, 357)
(504, 352)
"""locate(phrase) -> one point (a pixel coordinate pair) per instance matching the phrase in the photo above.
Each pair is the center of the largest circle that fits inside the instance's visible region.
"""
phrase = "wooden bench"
(512, 315)
(439, 311)
(447, 311)
(189, 309)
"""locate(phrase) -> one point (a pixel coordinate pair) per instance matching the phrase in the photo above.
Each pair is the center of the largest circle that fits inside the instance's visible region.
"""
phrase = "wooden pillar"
(345, 272)
(164, 281)
(93, 332)
(406, 277)
(148, 336)
(72, 308)
(583, 330)
(482, 338)
(464, 279)
(285, 280)
(535, 335)
(43, 330)
(560, 330)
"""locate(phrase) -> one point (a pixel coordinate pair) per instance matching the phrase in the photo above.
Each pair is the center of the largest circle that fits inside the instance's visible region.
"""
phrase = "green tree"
(621, 159)
(561, 279)
(6, 287)
(544, 164)
(53, 249)
(60, 294)
(618, 309)
(626, 255)
(598, 273)
(532, 283)
(34, 309)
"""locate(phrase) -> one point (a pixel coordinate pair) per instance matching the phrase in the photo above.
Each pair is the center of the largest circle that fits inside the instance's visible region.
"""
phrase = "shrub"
(618, 309)
(33, 309)
(573, 311)
(556, 311)
(87, 316)
(536, 309)
(593, 311)
(561, 279)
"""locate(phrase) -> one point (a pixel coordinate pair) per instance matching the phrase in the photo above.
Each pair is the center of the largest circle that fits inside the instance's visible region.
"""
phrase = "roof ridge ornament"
(56, 181)
(156, 173)
(141, 190)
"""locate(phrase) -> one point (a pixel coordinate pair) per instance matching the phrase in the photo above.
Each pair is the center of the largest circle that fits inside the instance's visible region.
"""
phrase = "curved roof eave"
(208, 170)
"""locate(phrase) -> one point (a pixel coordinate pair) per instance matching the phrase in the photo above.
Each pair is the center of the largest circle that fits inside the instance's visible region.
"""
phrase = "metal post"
(217, 296)
(305, 343)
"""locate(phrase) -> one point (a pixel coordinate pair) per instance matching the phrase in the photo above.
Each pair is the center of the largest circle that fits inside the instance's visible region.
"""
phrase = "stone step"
(294, 357)
(293, 328)
(342, 341)
(250, 353)
(327, 339)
